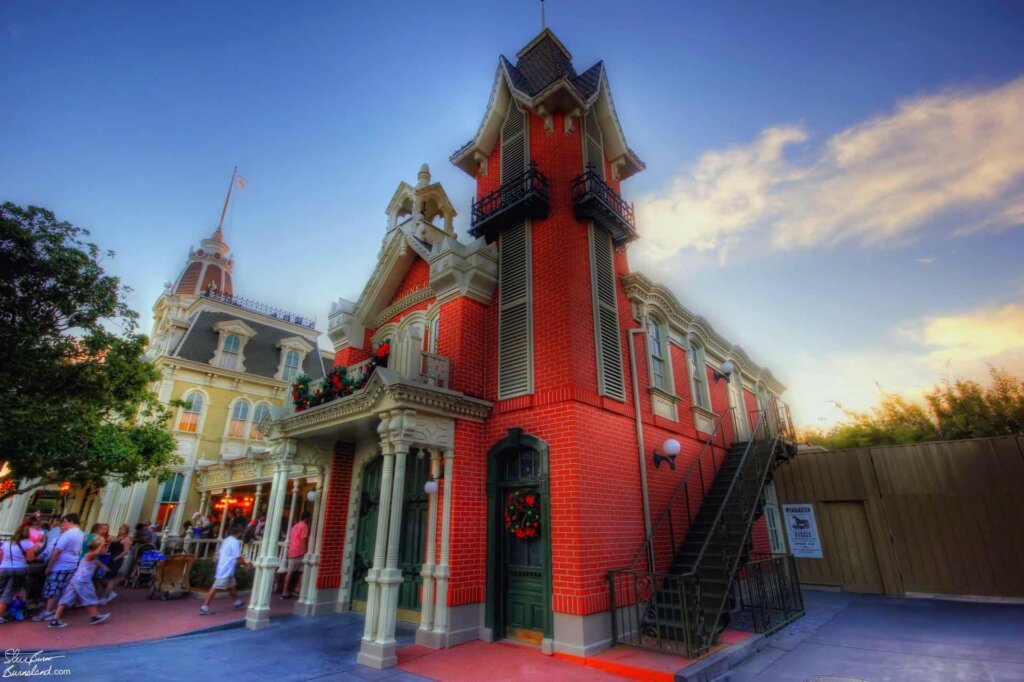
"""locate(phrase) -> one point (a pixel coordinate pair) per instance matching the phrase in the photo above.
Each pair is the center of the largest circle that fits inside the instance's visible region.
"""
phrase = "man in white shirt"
(63, 561)
(229, 558)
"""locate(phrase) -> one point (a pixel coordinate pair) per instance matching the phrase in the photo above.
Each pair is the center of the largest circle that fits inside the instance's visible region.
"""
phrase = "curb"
(722, 661)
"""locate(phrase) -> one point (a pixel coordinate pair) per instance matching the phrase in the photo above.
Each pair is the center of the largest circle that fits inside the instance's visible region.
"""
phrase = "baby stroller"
(144, 570)
(171, 577)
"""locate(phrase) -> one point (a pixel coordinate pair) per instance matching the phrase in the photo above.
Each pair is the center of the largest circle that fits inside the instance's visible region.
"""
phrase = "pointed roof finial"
(542, 23)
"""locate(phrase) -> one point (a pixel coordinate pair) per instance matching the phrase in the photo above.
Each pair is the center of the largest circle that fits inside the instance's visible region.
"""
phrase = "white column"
(13, 512)
(391, 578)
(224, 513)
(307, 593)
(256, 502)
(204, 502)
(442, 571)
(137, 497)
(258, 614)
(380, 546)
(288, 528)
(179, 511)
(427, 611)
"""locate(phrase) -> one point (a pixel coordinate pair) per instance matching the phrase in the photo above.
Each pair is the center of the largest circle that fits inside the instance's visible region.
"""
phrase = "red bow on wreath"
(522, 515)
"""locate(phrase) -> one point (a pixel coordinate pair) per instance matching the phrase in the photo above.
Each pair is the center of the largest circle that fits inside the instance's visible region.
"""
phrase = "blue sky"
(838, 187)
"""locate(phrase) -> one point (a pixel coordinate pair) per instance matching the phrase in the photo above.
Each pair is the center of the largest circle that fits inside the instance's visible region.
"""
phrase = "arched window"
(291, 365)
(261, 410)
(191, 412)
(229, 354)
(699, 375)
(656, 351)
(239, 417)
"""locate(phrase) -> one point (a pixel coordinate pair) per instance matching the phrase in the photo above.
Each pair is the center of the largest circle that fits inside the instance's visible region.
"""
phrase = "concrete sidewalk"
(867, 637)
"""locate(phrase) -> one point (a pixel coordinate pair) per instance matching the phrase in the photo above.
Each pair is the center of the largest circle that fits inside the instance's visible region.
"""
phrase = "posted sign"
(802, 530)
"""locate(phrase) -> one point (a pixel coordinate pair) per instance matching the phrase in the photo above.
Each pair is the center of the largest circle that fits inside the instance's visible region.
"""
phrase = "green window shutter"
(515, 314)
(610, 377)
(593, 150)
(171, 489)
(514, 143)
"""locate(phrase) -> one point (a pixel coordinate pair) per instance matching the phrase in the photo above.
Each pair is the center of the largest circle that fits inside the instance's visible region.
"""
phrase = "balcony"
(594, 200)
(522, 198)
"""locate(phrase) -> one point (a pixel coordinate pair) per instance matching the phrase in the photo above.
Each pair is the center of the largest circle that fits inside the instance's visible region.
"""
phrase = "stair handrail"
(732, 485)
(648, 546)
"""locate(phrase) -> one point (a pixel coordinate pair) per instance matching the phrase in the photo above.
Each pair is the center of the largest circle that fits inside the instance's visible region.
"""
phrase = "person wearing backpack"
(14, 557)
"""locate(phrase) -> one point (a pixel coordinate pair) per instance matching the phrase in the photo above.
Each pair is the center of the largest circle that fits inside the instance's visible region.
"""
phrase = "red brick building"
(484, 478)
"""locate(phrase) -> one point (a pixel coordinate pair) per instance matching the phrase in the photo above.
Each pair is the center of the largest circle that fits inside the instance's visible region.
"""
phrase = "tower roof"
(544, 80)
(208, 267)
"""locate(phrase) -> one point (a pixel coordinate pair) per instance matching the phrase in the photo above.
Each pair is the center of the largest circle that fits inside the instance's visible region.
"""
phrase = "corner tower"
(548, 159)
(208, 266)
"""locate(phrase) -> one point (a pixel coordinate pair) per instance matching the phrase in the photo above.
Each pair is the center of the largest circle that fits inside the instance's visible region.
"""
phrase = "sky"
(838, 187)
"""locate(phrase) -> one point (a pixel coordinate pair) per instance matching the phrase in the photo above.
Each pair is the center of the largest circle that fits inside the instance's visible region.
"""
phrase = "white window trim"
(226, 328)
(231, 418)
(253, 422)
(201, 421)
(297, 344)
(669, 389)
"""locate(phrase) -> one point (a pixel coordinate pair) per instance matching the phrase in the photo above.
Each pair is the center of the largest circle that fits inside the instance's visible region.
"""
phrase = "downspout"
(648, 540)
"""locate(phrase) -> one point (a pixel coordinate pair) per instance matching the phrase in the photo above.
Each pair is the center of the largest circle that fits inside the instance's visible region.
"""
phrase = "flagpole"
(543, 24)
(220, 226)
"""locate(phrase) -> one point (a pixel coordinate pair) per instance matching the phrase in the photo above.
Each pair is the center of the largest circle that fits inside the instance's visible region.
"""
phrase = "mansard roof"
(544, 80)
(262, 352)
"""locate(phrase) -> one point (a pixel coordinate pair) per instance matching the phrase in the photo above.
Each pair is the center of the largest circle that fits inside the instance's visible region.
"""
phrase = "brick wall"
(335, 517)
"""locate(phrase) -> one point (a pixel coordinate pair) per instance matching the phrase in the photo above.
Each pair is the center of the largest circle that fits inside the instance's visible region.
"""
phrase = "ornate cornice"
(418, 296)
(386, 385)
(642, 290)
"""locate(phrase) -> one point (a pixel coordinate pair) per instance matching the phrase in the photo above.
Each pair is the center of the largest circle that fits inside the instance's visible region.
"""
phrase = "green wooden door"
(366, 532)
(412, 540)
(524, 581)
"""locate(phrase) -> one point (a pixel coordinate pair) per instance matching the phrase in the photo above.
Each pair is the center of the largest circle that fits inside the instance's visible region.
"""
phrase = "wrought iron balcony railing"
(261, 308)
(594, 200)
(524, 197)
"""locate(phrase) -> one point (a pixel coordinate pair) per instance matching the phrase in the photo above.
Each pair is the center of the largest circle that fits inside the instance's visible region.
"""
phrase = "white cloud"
(877, 182)
(925, 260)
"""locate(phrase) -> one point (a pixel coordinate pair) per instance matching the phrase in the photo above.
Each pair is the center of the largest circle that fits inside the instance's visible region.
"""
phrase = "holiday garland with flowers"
(337, 383)
(522, 514)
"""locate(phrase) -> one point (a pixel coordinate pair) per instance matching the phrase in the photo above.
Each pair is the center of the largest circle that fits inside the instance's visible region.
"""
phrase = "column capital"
(398, 427)
(283, 450)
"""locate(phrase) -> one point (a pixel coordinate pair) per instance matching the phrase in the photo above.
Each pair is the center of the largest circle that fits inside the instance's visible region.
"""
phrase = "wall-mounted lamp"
(671, 448)
(430, 487)
(724, 373)
(311, 496)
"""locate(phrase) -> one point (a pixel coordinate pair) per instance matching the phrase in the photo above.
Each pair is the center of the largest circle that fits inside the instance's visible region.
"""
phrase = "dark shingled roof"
(262, 356)
(546, 62)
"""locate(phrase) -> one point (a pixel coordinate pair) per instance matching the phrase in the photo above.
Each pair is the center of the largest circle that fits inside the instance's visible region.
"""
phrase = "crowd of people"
(83, 569)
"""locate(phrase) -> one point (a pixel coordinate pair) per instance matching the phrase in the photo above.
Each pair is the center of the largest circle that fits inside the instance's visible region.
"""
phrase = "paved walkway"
(132, 618)
(847, 637)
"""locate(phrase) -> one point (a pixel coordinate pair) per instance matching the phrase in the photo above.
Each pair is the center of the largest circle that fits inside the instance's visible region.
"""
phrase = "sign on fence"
(802, 530)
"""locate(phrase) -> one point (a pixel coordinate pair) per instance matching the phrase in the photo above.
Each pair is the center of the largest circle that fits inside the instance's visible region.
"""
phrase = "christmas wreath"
(380, 356)
(522, 514)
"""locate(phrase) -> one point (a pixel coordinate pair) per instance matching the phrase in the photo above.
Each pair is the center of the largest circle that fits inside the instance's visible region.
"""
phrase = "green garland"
(337, 383)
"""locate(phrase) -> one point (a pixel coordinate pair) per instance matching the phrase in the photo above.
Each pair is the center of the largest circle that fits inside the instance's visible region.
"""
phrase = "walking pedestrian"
(62, 564)
(229, 559)
(80, 588)
(298, 539)
(14, 557)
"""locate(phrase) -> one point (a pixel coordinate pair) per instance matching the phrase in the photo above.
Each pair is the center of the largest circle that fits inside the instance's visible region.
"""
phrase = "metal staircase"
(678, 603)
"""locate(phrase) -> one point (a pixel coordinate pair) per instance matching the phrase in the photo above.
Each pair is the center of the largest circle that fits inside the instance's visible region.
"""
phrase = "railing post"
(611, 605)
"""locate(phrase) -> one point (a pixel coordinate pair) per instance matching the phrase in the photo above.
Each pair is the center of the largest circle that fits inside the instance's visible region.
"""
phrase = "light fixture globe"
(311, 496)
(671, 447)
(430, 487)
(727, 369)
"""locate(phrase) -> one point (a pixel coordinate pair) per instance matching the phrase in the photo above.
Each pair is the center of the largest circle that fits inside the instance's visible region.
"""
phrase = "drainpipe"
(640, 445)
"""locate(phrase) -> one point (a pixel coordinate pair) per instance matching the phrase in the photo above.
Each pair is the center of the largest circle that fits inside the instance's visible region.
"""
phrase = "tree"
(76, 402)
(952, 410)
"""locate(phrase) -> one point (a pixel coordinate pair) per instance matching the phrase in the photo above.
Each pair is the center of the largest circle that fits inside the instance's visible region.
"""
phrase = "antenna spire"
(542, 23)
(219, 234)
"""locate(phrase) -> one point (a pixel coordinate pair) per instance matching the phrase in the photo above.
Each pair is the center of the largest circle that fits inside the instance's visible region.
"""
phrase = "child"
(80, 587)
(224, 579)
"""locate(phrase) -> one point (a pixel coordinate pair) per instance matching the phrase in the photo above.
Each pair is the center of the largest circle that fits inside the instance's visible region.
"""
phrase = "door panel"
(366, 532)
(853, 549)
(524, 579)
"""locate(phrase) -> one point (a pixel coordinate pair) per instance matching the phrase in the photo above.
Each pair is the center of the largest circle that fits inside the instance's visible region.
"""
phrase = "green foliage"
(75, 391)
(952, 410)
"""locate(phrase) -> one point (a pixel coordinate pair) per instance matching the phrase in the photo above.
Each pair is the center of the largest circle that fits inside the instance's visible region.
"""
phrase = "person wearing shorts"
(80, 588)
(229, 558)
(298, 540)
(62, 564)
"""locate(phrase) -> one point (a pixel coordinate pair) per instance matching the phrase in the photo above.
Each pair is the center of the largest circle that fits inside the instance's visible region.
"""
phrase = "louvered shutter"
(515, 318)
(606, 317)
(593, 151)
(513, 143)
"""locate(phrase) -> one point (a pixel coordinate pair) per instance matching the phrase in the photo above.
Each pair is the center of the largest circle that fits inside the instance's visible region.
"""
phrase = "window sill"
(664, 395)
(703, 419)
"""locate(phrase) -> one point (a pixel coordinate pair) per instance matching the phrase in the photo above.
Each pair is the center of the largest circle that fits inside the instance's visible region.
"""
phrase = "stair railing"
(704, 608)
(695, 472)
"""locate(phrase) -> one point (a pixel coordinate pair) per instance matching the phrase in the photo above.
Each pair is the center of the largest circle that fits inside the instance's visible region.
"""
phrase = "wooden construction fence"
(931, 518)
